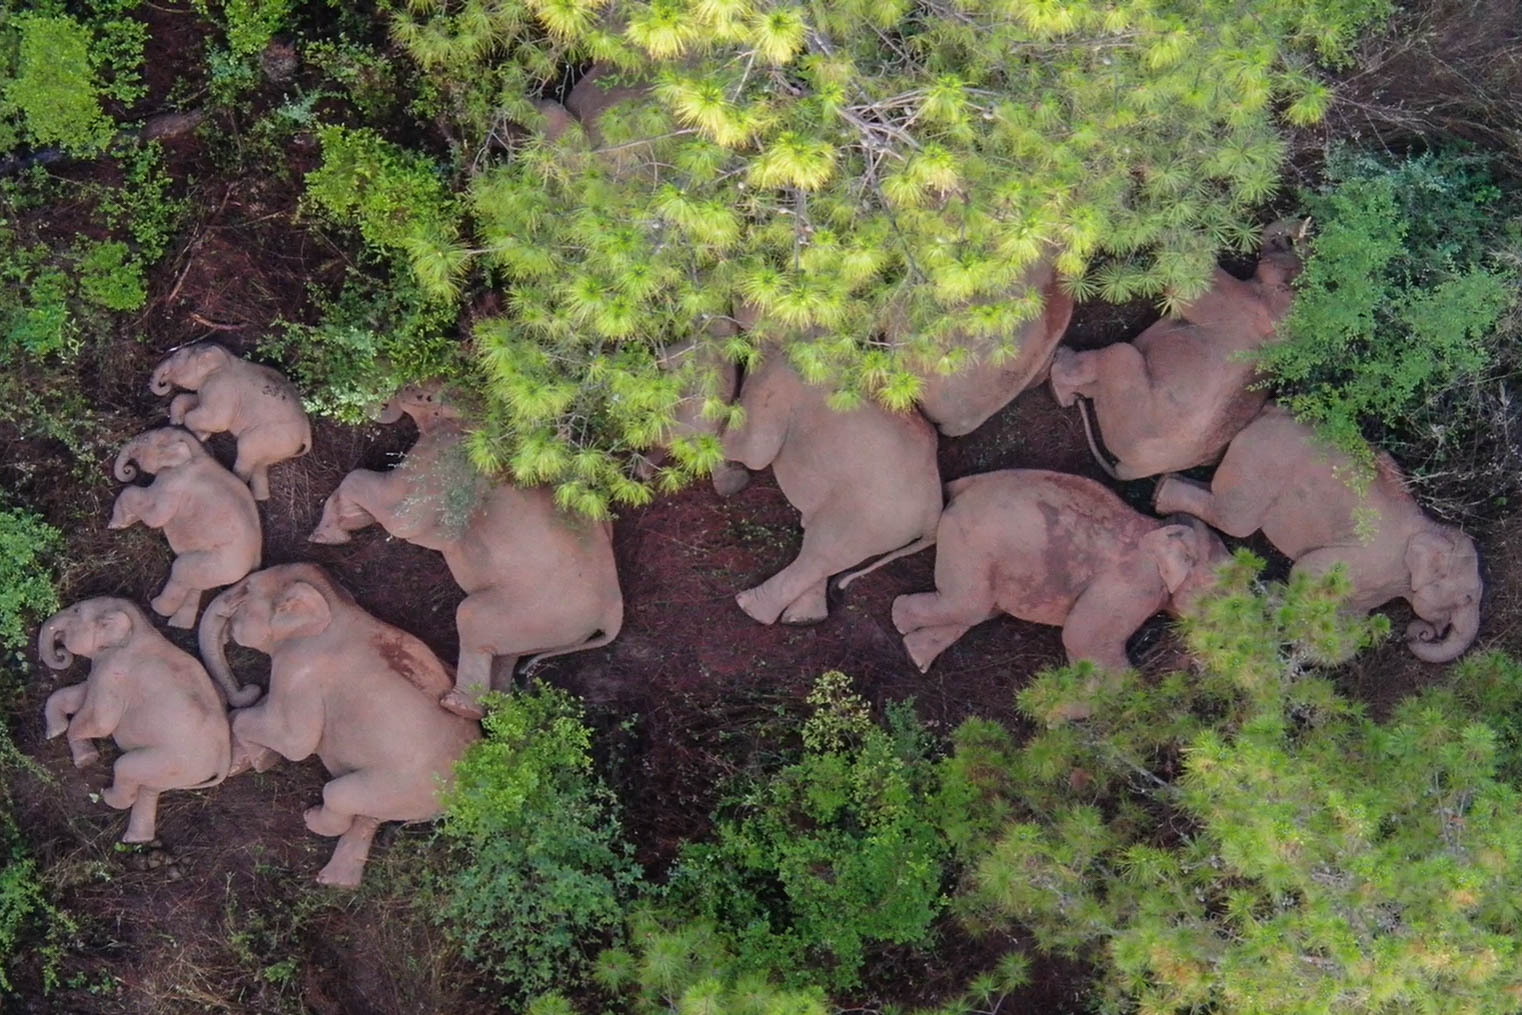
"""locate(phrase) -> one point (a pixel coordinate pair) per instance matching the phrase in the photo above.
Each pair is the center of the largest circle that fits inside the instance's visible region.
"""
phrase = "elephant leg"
(811, 607)
(189, 576)
(347, 796)
(61, 704)
(132, 771)
(182, 404)
(206, 419)
(933, 609)
(1101, 620)
(247, 756)
(347, 865)
(143, 822)
(831, 545)
(255, 473)
(477, 619)
(924, 644)
(1235, 511)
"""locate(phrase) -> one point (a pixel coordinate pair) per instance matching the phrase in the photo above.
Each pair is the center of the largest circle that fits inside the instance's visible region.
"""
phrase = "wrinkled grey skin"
(255, 404)
(538, 583)
(866, 483)
(153, 699)
(1276, 476)
(358, 693)
(1054, 549)
(1176, 395)
(206, 513)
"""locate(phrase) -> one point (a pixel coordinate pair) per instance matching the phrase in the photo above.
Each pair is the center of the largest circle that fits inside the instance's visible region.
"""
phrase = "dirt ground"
(690, 692)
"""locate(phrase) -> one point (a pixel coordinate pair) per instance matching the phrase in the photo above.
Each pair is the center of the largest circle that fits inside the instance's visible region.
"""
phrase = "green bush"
(1247, 841)
(28, 546)
(832, 854)
(1406, 301)
(542, 872)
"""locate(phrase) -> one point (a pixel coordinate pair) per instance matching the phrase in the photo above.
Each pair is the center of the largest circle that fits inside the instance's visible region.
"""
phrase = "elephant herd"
(388, 719)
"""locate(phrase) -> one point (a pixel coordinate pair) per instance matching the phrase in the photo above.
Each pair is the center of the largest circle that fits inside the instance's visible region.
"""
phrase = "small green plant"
(28, 591)
(829, 856)
(1405, 303)
(1244, 840)
(542, 870)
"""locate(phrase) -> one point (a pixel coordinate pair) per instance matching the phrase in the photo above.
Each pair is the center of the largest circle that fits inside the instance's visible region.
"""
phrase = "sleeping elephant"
(1278, 477)
(538, 583)
(149, 696)
(255, 404)
(360, 694)
(959, 403)
(1174, 397)
(207, 514)
(1054, 549)
(866, 483)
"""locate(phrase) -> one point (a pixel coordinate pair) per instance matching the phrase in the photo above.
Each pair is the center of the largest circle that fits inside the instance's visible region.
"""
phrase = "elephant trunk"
(212, 637)
(126, 468)
(49, 643)
(1422, 636)
(159, 382)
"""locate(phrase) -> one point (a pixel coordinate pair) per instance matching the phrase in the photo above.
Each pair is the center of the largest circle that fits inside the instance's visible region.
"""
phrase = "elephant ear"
(177, 450)
(1173, 549)
(1429, 558)
(301, 610)
(113, 628)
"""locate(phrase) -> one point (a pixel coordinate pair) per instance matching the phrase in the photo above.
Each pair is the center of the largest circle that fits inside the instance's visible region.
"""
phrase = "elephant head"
(155, 451)
(87, 629)
(1445, 594)
(1187, 553)
(425, 403)
(187, 367)
(1280, 261)
(262, 612)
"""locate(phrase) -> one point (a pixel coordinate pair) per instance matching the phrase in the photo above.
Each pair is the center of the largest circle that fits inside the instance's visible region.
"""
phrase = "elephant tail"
(1088, 431)
(903, 551)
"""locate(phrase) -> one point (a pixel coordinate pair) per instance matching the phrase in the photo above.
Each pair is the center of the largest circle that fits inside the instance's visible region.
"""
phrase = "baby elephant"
(537, 582)
(207, 515)
(865, 481)
(1054, 549)
(255, 404)
(1276, 476)
(153, 699)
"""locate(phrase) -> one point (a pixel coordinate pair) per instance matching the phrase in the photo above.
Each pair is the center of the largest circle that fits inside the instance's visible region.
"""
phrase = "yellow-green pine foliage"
(836, 165)
(1243, 840)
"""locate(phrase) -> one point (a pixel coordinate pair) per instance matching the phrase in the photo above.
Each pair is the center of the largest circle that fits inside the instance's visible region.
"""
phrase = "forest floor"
(692, 691)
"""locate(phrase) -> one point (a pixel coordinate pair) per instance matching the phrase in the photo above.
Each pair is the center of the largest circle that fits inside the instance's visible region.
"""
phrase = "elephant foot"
(251, 756)
(55, 727)
(117, 798)
(86, 756)
(809, 608)
(330, 537)
(730, 478)
(341, 873)
(185, 617)
(347, 864)
(136, 836)
(462, 705)
(321, 821)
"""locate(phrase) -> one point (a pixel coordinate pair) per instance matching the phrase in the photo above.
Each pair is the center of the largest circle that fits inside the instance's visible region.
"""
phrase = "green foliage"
(542, 872)
(396, 198)
(838, 166)
(1244, 840)
(1404, 301)
(685, 967)
(27, 578)
(250, 24)
(834, 853)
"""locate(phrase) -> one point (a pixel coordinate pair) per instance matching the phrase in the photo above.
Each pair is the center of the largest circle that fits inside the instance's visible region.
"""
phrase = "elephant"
(149, 696)
(254, 403)
(1277, 476)
(537, 582)
(1173, 398)
(866, 483)
(1054, 549)
(360, 694)
(207, 514)
(959, 403)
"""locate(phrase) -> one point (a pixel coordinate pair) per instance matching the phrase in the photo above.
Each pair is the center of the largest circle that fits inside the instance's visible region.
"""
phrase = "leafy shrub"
(1405, 302)
(834, 853)
(53, 89)
(542, 870)
(27, 592)
(1250, 842)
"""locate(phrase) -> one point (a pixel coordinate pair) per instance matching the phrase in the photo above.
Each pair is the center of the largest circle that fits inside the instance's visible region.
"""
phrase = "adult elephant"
(865, 481)
(1054, 549)
(360, 694)
(1279, 477)
(537, 582)
(149, 696)
(255, 404)
(208, 516)
(1174, 397)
